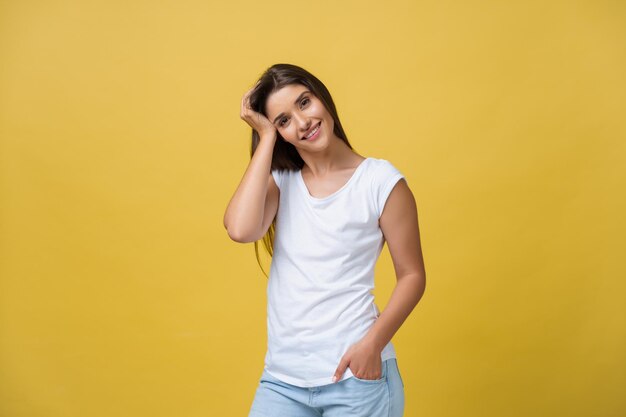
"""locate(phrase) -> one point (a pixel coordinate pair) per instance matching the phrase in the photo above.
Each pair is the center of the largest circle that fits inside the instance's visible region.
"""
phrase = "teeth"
(313, 132)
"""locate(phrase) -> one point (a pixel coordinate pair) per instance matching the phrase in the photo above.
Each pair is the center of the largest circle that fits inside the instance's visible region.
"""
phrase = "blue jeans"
(352, 396)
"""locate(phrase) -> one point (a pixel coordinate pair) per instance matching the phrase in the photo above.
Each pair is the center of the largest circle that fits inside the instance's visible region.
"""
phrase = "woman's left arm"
(400, 228)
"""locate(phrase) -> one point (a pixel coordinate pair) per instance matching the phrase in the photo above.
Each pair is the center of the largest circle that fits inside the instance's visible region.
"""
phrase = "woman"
(324, 213)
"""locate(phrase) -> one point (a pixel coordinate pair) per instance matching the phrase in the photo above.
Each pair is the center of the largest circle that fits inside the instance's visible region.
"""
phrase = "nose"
(303, 122)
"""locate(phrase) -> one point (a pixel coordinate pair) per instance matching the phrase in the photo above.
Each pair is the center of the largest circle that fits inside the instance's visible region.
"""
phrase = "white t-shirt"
(319, 299)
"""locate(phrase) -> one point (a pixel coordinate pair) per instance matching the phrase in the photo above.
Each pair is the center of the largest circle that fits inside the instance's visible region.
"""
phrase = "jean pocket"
(370, 381)
(383, 376)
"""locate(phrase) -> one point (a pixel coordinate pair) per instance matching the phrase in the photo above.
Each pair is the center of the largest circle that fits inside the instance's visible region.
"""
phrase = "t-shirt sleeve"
(278, 177)
(385, 178)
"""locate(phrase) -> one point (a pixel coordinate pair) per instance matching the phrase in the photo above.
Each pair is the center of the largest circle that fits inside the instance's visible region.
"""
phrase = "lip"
(312, 129)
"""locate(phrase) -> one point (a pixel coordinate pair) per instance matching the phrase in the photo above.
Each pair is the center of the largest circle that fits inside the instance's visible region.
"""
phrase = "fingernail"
(334, 379)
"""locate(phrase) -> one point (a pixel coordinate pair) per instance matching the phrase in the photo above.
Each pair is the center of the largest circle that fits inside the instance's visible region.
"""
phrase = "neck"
(336, 156)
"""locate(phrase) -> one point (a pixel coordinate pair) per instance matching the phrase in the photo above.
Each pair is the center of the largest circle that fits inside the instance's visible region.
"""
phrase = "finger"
(343, 365)
(245, 106)
(245, 100)
(246, 96)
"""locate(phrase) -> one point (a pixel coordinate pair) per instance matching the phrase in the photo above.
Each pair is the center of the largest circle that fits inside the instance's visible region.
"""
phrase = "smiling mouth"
(313, 132)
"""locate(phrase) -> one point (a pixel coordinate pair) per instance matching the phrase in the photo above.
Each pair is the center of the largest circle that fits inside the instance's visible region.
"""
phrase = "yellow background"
(121, 144)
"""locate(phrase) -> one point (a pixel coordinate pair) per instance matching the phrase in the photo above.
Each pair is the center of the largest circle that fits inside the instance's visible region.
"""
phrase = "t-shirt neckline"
(357, 170)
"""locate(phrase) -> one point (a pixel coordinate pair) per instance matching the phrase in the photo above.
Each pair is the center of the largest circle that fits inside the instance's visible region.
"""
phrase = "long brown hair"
(285, 156)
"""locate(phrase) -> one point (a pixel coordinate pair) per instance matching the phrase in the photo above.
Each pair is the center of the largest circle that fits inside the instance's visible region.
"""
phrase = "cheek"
(318, 109)
(288, 133)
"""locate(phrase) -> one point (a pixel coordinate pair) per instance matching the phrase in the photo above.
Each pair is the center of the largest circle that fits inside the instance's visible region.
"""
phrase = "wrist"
(268, 136)
(371, 340)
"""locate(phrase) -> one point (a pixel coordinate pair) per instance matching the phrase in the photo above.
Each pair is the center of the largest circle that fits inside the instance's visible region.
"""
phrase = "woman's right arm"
(255, 202)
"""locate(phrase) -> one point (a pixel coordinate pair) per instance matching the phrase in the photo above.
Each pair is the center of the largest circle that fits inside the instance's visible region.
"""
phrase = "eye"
(303, 102)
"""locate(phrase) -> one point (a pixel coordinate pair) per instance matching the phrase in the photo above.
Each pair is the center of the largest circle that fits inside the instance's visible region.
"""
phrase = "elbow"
(422, 282)
(417, 283)
(239, 236)
(236, 232)
(422, 287)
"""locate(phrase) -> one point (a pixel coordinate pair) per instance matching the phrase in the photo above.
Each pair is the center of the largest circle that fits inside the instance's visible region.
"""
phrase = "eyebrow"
(295, 102)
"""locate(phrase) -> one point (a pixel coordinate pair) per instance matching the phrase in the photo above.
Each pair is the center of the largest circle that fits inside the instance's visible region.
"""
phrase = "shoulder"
(279, 175)
(383, 172)
(381, 167)
(383, 176)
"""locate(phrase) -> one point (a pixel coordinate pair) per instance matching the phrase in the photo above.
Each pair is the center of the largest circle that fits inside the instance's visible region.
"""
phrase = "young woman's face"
(299, 116)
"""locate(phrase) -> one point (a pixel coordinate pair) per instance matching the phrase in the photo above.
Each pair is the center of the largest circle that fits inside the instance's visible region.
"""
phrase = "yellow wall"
(121, 144)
